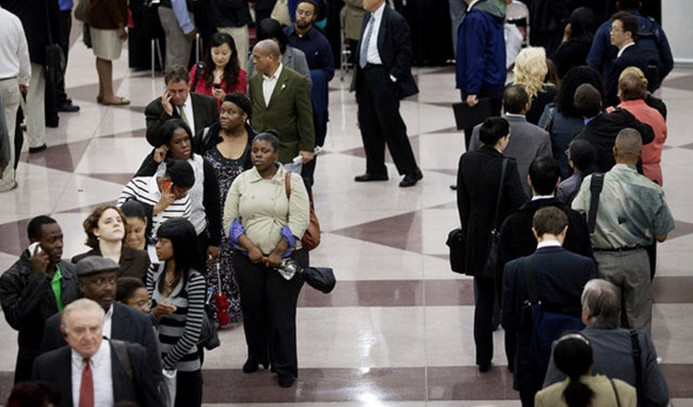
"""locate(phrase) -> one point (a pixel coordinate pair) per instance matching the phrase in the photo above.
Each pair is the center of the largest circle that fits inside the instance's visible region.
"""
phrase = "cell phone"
(167, 186)
(33, 247)
(217, 86)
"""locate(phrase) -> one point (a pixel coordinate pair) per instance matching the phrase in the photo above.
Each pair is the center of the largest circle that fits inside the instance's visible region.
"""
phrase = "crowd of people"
(565, 186)
(575, 161)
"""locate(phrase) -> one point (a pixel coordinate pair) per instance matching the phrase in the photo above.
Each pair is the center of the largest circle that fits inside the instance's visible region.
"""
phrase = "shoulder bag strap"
(531, 278)
(637, 362)
(123, 357)
(596, 186)
(613, 386)
(287, 183)
(500, 192)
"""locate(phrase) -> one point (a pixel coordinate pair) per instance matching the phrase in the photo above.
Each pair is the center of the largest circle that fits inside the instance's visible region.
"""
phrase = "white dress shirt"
(107, 323)
(269, 83)
(188, 109)
(101, 374)
(14, 52)
(373, 56)
(620, 51)
(548, 243)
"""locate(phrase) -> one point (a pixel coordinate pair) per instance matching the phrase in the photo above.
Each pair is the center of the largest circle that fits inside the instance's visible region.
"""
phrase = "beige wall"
(676, 20)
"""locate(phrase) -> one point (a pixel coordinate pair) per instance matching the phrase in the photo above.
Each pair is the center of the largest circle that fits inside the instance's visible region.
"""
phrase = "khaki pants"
(9, 89)
(629, 271)
(178, 47)
(35, 107)
(242, 40)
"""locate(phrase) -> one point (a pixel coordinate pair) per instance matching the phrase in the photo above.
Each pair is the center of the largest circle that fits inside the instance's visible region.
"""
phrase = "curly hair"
(92, 222)
(231, 70)
(575, 77)
(531, 69)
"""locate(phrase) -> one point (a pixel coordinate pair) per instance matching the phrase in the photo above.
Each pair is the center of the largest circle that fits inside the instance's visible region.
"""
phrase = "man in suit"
(560, 276)
(281, 101)
(624, 28)
(91, 371)
(613, 346)
(516, 233)
(34, 288)
(528, 141)
(97, 276)
(382, 77)
(601, 128)
(197, 111)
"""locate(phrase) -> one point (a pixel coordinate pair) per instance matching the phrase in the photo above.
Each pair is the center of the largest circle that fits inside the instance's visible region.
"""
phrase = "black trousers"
(381, 123)
(485, 289)
(268, 303)
(496, 105)
(66, 21)
(188, 389)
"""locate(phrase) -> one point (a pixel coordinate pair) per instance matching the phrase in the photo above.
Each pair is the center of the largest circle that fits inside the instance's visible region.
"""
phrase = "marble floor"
(397, 330)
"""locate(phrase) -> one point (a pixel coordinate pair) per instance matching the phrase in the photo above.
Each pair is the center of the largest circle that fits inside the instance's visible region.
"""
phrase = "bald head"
(631, 87)
(628, 147)
(268, 47)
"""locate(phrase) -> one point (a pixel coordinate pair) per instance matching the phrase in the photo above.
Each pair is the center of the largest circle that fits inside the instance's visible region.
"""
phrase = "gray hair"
(603, 300)
(82, 304)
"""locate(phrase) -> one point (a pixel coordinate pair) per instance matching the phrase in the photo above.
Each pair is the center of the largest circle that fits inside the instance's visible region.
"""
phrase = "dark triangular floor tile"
(62, 157)
(401, 232)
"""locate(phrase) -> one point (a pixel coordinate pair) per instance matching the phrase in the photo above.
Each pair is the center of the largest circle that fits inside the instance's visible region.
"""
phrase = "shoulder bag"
(311, 237)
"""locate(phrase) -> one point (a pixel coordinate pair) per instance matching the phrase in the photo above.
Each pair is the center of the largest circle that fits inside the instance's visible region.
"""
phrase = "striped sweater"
(179, 332)
(145, 190)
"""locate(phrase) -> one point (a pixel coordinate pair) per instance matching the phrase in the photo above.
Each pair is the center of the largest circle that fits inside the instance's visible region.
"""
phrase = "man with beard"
(97, 277)
(314, 44)
(37, 286)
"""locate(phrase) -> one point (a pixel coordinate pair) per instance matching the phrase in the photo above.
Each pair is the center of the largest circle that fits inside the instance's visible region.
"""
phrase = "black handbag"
(457, 244)
(320, 278)
(491, 266)
(55, 59)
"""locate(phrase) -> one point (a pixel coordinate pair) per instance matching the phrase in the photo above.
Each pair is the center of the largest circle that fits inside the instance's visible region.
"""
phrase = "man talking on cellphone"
(37, 286)
(197, 111)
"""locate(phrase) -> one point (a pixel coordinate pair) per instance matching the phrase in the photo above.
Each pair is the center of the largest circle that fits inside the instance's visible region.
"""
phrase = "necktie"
(183, 116)
(86, 390)
(363, 55)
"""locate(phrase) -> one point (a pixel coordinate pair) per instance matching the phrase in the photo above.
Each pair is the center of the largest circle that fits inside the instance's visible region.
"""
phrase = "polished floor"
(397, 330)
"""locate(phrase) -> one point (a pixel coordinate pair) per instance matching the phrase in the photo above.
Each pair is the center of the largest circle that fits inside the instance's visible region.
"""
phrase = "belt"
(7, 79)
(369, 65)
(620, 249)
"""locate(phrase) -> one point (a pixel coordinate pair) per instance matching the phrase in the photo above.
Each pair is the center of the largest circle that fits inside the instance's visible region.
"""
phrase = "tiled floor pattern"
(397, 329)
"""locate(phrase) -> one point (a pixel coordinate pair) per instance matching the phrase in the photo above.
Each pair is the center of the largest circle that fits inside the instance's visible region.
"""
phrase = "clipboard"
(467, 117)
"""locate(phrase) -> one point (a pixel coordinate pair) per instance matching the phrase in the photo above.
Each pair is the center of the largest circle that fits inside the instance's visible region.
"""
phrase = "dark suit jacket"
(560, 278)
(205, 112)
(632, 56)
(35, 15)
(517, 239)
(133, 262)
(477, 189)
(127, 325)
(394, 47)
(602, 132)
(56, 367)
(290, 112)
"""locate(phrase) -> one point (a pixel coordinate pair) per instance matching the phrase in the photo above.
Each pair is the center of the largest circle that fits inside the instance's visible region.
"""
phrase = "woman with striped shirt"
(177, 292)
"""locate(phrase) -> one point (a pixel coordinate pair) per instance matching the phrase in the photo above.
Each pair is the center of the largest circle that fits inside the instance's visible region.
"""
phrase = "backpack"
(648, 42)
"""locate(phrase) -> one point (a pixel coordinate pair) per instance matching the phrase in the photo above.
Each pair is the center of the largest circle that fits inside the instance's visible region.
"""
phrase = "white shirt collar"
(275, 75)
(378, 14)
(108, 323)
(534, 198)
(548, 243)
(620, 51)
(472, 5)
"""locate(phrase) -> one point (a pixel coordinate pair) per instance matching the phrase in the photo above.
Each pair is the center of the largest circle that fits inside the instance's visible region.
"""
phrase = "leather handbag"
(55, 59)
(81, 11)
(457, 244)
(311, 237)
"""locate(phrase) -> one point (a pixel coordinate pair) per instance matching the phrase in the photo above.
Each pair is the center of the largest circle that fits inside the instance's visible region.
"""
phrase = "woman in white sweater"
(265, 219)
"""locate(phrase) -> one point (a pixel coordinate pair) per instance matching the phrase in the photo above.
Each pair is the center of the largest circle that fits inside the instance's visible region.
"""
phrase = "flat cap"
(95, 264)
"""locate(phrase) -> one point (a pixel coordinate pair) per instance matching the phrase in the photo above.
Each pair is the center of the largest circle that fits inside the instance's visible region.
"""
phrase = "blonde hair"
(634, 70)
(531, 69)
